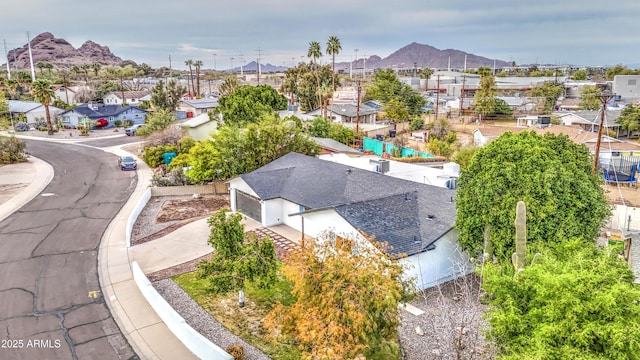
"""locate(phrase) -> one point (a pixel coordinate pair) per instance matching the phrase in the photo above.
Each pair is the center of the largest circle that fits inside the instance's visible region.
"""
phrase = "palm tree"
(314, 53)
(426, 74)
(42, 92)
(198, 64)
(96, 67)
(48, 66)
(189, 63)
(333, 49)
(75, 70)
(325, 92)
(40, 65)
(85, 68)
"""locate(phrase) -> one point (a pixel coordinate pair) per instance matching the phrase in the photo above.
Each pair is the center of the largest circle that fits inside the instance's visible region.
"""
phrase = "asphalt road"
(51, 306)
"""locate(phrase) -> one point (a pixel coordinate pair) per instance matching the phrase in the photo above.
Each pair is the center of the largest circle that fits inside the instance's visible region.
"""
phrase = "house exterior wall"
(272, 212)
(446, 262)
(72, 119)
(68, 96)
(112, 99)
(203, 131)
(627, 86)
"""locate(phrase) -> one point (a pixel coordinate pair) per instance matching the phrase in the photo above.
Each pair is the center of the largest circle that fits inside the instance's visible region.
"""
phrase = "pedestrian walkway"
(19, 183)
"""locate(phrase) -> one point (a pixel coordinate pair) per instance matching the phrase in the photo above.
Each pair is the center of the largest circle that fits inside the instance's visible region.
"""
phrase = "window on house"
(110, 118)
(632, 82)
(66, 119)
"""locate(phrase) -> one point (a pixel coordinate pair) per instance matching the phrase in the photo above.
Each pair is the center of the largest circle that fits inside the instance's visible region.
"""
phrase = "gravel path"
(202, 321)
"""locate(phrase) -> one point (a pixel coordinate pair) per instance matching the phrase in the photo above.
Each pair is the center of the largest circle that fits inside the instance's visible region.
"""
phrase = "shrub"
(416, 124)
(21, 126)
(127, 123)
(40, 124)
(118, 123)
(12, 150)
(175, 177)
(237, 351)
(42, 128)
(154, 155)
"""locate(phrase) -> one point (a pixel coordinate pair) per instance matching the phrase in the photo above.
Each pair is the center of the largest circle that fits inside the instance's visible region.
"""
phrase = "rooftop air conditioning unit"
(382, 165)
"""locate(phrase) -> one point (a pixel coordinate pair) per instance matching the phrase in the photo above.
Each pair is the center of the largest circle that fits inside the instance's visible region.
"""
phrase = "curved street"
(52, 307)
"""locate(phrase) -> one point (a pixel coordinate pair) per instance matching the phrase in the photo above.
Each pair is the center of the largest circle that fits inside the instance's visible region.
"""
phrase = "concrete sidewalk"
(22, 182)
(146, 332)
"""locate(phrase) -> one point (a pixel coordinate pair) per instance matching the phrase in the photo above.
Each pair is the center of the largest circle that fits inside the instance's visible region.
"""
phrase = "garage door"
(248, 205)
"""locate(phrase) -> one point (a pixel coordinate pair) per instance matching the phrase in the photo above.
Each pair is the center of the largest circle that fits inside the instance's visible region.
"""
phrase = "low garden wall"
(214, 188)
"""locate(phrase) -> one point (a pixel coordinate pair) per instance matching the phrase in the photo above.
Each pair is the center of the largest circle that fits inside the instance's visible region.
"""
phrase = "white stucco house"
(200, 127)
(313, 196)
(130, 97)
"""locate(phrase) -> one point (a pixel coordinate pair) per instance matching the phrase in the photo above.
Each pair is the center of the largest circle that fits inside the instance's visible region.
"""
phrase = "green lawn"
(245, 322)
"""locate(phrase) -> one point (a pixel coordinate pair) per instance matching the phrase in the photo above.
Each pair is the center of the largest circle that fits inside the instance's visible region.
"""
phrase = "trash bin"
(168, 157)
(379, 137)
(392, 133)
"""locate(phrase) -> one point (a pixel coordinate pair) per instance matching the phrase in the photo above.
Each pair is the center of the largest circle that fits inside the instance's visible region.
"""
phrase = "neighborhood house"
(313, 196)
(103, 114)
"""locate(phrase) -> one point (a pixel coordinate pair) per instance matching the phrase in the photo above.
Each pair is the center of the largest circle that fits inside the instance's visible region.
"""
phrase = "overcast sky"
(580, 32)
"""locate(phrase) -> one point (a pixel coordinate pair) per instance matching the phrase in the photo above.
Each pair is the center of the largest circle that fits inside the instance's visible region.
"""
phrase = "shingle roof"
(409, 216)
(17, 106)
(130, 94)
(350, 110)
(101, 110)
(202, 103)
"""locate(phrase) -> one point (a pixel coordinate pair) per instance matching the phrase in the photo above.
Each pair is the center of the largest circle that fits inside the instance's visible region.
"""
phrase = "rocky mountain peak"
(45, 47)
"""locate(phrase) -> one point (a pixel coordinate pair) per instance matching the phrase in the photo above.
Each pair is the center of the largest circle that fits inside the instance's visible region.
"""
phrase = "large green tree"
(550, 173)
(237, 258)
(166, 98)
(546, 95)
(43, 93)
(233, 151)
(588, 97)
(156, 121)
(247, 103)
(571, 301)
(386, 86)
(629, 118)
(485, 99)
(302, 83)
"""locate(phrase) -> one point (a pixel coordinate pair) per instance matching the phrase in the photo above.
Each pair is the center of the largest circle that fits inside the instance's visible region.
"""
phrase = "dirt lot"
(163, 215)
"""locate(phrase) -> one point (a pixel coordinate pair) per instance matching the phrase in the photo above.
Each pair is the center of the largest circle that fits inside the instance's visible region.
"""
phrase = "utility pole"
(358, 107)
(7, 56)
(258, 65)
(33, 70)
(604, 98)
(464, 78)
(170, 71)
(437, 95)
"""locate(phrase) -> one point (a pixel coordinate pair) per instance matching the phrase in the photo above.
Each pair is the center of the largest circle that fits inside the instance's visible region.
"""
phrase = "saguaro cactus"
(521, 236)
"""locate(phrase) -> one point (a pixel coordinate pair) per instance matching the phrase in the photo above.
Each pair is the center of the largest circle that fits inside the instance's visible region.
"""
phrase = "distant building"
(627, 86)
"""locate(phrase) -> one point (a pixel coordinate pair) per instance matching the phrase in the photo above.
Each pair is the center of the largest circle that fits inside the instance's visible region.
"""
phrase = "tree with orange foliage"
(347, 299)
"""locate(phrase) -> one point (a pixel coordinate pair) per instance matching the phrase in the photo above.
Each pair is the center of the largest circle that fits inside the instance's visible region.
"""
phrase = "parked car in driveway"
(127, 163)
(130, 131)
